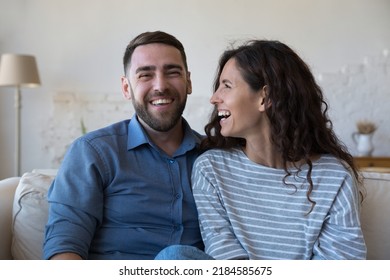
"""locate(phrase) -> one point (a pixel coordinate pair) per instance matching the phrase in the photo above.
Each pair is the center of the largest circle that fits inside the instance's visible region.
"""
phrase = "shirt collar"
(137, 136)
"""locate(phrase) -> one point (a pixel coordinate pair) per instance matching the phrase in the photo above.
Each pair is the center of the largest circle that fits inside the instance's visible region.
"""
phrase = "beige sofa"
(23, 214)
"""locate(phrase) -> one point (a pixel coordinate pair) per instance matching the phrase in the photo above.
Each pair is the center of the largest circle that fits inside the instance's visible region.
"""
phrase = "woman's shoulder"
(331, 165)
(218, 157)
(217, 153)
(330, 161)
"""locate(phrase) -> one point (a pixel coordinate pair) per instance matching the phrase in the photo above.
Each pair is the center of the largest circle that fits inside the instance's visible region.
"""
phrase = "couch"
(23, 214)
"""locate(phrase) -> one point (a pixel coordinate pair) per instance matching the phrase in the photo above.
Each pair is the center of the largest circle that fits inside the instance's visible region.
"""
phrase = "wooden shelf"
(372, 161)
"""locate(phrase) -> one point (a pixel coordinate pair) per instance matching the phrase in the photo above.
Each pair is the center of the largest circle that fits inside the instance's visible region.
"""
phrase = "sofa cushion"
(30, 213)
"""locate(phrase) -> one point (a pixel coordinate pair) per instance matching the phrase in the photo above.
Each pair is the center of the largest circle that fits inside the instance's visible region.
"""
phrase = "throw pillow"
(30, 213)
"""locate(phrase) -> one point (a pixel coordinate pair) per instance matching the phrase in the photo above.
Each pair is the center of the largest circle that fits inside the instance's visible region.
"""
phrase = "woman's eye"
(227, 86)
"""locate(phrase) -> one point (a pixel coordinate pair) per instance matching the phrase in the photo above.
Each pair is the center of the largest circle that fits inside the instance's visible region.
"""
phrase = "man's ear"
(189, 83)
(126, 88)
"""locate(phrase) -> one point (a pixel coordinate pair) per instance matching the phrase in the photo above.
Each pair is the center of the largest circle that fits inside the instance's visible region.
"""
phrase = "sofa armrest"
(375, 215)
(7, 192)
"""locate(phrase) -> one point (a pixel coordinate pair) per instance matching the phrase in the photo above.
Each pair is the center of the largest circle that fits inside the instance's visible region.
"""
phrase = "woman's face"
(237, 104)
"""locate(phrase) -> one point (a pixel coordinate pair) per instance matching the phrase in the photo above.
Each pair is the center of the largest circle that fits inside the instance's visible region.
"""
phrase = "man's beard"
(165, 121)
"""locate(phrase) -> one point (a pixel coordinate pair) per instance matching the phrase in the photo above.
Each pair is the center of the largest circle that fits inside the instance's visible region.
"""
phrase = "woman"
(275, 182)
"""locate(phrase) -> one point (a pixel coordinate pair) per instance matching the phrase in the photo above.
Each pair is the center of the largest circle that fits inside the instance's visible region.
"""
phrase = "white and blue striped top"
(246, 212)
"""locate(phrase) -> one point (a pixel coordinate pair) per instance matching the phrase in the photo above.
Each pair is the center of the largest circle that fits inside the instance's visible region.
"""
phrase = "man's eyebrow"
(153, 68)
(145, 68)
(173, 66)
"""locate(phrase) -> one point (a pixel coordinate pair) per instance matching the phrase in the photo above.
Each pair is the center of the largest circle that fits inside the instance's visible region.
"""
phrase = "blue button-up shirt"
(118, 196)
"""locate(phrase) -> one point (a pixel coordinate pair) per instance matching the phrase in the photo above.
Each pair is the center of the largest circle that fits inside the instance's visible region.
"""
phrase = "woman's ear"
(126, 88)
(263, 99)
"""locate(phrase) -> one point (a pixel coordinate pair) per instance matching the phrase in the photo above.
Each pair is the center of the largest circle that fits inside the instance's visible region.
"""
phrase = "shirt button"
(171, 161)
(177, 196)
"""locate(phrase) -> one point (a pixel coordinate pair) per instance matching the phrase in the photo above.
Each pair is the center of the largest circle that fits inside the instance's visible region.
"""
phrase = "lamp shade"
(18, 70)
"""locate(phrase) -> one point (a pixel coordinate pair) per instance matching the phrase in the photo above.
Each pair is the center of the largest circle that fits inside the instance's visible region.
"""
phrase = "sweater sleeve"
(341, 236)
(217, 232)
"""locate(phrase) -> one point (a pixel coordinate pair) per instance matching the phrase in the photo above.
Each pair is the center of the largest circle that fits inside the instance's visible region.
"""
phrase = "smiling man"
(123, 191)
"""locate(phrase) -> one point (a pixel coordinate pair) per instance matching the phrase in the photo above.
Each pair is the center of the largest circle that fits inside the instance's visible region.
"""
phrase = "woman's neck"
(262, 151)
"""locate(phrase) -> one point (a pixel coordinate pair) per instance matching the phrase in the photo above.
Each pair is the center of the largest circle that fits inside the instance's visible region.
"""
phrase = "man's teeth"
(223, 114)
(161, 101)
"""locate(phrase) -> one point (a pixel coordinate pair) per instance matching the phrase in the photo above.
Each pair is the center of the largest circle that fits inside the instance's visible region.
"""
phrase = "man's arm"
(75, 205)
(66, 256)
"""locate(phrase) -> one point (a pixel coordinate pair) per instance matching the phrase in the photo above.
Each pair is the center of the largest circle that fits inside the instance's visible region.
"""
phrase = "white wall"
(79, 47)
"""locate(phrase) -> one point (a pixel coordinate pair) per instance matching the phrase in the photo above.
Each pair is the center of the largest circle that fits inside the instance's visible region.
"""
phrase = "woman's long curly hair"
(297, 113)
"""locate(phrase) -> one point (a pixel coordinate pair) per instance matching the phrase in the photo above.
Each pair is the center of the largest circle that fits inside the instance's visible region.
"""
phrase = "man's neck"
(168, 141)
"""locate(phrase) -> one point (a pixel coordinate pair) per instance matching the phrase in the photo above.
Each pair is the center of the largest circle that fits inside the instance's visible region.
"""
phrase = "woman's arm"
(341, 236)
(217, 231)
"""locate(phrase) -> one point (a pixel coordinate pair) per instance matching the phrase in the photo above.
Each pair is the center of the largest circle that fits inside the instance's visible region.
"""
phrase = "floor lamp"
(18, 71)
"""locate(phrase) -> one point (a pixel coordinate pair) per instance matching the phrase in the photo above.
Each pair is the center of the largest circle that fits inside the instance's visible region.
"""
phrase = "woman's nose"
(214, 99)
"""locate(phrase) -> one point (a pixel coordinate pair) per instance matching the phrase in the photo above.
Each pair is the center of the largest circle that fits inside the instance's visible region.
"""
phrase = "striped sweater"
(246, 212)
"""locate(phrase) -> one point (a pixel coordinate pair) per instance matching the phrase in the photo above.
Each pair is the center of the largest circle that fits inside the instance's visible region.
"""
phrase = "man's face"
(158, 84)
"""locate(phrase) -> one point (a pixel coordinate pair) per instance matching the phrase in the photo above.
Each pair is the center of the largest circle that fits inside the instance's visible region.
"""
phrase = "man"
(123, 192)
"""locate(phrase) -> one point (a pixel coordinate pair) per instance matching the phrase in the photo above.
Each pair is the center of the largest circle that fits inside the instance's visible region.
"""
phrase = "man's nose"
(160, 83)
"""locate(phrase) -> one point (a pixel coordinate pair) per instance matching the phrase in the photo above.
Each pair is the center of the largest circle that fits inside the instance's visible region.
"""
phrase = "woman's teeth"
(223, 114)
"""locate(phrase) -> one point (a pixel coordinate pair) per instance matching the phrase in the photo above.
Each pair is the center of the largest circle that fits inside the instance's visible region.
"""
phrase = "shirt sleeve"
(341, 236)
(75, 202)
(217, 231)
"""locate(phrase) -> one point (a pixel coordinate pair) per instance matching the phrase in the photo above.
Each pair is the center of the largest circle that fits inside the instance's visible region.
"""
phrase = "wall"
(79, 47)
(360, 92)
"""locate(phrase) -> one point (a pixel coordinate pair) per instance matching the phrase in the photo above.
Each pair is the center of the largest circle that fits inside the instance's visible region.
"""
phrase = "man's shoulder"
(113, 130)
(197, 135)
(188, 130)
(105, 141)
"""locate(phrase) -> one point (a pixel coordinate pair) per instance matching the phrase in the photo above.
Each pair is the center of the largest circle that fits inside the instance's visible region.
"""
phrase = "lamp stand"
(17, 130)
(17, 70)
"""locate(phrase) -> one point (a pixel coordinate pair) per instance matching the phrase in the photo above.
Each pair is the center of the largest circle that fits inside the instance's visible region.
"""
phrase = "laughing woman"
(275, 181)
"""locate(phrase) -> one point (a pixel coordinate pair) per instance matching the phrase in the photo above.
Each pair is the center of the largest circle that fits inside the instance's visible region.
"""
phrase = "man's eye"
(174, 73)
(144, 75)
